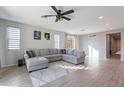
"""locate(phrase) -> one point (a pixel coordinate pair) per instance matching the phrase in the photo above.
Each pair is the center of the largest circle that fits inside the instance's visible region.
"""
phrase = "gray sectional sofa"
(51, 55)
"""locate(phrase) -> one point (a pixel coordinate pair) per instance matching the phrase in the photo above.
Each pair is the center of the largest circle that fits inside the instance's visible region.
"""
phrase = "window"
(56, 41)
(70, 42)
(13, 35)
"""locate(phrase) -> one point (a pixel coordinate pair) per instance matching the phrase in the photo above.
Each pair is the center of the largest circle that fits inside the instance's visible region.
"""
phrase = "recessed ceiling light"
(107, 24)
(82, 29)
(100, 17)
(111, 28)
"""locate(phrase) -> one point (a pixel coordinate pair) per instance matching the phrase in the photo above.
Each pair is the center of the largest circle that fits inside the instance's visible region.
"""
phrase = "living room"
(80, 35)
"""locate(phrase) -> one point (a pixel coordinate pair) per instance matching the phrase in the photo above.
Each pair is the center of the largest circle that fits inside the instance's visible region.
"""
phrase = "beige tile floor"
(96, 73)
(99, 73)
(55, 70)
(15, 76)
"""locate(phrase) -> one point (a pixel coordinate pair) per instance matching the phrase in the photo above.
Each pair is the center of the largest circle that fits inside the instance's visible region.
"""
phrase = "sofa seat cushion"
(36, 61)
(72, 59)
(69, 56)
(54, 55)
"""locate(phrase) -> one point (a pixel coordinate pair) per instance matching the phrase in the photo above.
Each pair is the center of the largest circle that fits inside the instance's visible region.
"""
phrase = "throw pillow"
(30, 53)
(63, 51)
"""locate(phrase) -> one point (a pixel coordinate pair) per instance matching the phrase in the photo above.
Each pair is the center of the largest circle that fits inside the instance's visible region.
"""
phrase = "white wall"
(9, 57)
(97, 44)
(93, 45)
(122, 46)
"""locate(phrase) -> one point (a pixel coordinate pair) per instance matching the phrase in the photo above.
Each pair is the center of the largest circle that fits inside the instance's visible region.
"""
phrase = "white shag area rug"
(54, 71)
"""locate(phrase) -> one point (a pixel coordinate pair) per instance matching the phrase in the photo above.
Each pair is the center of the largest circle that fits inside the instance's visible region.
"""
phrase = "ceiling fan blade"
(66, 18)
(48, 16)
(55, 9)
(68, 12)
(57, 19)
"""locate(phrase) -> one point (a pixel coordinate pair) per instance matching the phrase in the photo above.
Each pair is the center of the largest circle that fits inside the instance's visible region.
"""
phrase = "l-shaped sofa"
(39, 58)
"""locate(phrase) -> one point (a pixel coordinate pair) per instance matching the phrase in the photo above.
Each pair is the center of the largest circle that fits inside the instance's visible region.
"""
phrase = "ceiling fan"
(59, 15)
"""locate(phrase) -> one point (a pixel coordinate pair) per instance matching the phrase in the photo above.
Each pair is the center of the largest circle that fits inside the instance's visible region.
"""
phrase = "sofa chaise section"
(36, 63)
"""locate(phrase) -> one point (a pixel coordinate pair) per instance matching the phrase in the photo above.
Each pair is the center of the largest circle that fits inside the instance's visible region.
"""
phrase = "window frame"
(57, 41)
(73, 41)
(7, 34)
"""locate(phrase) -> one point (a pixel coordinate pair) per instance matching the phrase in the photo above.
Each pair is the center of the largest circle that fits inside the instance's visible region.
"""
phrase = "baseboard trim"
(3, 66)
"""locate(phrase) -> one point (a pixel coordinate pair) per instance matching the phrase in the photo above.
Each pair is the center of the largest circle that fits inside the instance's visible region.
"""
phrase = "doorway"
(113, 45)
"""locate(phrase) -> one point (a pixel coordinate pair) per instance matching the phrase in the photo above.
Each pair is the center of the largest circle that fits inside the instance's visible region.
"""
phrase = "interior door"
(108, 46)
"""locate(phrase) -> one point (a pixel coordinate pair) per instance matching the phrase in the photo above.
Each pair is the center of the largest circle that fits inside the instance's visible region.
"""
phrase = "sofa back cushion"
(43, 52)
(53, 51)
(70, 51)
(59, 51)
(36, 52)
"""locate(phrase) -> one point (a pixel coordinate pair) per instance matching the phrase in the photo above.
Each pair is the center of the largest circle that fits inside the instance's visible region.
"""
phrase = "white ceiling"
(84, 17)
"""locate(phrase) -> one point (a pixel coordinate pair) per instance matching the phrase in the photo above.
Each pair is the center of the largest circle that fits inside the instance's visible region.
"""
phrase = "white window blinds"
(13, 35)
